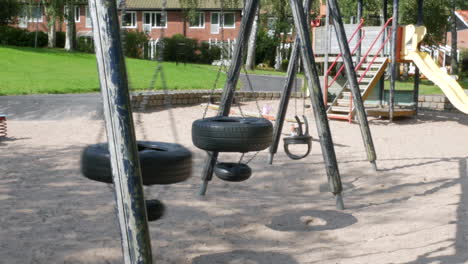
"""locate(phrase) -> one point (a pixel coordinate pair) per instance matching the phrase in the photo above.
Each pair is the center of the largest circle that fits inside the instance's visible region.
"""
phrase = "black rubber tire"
(232, 172)
(161, 163)
(232, 134)
(155, 210)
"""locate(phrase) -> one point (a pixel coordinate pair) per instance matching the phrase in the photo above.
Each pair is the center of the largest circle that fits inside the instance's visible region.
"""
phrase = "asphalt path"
(63, 106)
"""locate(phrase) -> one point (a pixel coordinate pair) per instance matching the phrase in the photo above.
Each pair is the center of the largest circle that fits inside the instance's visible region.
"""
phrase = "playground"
(386, 186)
(413, 210)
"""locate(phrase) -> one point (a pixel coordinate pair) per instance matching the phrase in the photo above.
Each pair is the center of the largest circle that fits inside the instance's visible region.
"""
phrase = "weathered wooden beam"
(384, 36)
(316, 96)
(231, 82)
(393, 66)
(419, 22)
(353, 83)
(285, 96)
(360, 8)
(136, 244)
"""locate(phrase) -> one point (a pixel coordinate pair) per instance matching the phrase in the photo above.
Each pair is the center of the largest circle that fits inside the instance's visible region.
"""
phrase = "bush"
(208, 55)
(85, 44)
(60, 40)
(180, 48)
(135, 43)
(266, 48)
(20, 37)
(464, 61)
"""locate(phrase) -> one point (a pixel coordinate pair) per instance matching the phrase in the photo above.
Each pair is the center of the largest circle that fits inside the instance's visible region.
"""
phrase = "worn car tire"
(232, 172)
(160, 163)
(232, 134)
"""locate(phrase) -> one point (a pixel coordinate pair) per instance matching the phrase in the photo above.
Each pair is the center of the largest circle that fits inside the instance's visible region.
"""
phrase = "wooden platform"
(384, 111)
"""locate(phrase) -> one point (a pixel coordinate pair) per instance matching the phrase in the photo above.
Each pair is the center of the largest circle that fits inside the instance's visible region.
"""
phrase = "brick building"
(462, 30)
(147, 15)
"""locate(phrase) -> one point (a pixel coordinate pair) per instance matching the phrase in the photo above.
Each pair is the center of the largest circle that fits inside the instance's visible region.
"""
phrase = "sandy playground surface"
(414, 210)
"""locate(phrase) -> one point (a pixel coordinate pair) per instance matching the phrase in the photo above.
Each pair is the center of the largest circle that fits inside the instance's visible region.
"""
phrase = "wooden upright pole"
(419, 22)
(384, 36)
(231, 82)
(393, 65)
(321, 120)
(288, 86)
(136, 244)
(359, 34)
(353, 83)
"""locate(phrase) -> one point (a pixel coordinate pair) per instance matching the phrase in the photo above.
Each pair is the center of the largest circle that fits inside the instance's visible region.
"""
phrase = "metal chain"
(251, 89)
(252, 158)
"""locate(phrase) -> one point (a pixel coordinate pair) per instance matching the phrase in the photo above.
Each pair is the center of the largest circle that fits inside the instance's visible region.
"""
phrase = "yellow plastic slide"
(447, 84)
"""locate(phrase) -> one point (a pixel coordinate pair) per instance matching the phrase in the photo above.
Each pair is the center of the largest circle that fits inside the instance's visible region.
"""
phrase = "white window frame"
(30, 18)
(200, 15)
(87, 15)
(151, 18)
(133, 14)
(23, 17)
(226, 13)
(222, 25)
(77, 12)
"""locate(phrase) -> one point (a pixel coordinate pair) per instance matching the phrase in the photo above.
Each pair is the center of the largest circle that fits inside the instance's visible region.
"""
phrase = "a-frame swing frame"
(303, 44)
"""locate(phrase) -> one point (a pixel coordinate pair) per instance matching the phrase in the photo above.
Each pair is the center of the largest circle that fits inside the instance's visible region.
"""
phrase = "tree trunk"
(454, 61)
(51, 33)
(278, 59)
(70, 34)
(250, 62)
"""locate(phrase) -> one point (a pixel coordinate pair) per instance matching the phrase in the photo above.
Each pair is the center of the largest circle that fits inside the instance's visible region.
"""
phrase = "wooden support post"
(353, 83)
(384, 36)
(231, 82)
(393, 65)
(288, 86)
(136, 244)
(419, 22)
(313, 81)
(327, 51)
(359, 34)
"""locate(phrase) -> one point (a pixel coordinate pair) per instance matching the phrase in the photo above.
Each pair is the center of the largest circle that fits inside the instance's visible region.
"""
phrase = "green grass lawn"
(425, 86)
(47, 71)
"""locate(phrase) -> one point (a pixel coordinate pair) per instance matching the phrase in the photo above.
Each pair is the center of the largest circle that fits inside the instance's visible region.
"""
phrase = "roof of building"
(463, 16)
(176, 4)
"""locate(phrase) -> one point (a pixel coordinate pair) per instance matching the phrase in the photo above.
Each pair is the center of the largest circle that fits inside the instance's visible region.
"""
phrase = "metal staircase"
(342, 106)
(369, 71)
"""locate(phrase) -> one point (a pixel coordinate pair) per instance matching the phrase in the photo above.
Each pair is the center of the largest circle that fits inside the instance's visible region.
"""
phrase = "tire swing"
(232, 134)
(161, 163)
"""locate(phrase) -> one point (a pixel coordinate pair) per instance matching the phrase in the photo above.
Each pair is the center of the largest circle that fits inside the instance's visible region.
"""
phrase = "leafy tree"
(8, 11)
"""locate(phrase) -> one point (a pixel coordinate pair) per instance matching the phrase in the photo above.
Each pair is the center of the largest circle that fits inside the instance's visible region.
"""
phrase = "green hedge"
(21, 37)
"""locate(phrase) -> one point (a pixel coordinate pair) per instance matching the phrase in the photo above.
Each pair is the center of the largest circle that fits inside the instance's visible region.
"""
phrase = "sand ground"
(413, 210)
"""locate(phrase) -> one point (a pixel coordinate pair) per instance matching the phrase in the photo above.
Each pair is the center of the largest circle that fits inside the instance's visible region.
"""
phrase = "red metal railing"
(363, 59)
(330, 68)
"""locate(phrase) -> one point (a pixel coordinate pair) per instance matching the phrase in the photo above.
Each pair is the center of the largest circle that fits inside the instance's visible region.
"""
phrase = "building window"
(29, 14)
(229, 20)
(89, 22)
(155, 19)
(36, 14)
(198, 21)
(77, 14)
(129, 19)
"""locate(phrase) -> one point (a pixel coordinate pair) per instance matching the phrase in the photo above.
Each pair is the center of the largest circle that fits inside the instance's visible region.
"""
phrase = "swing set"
(129, 164)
